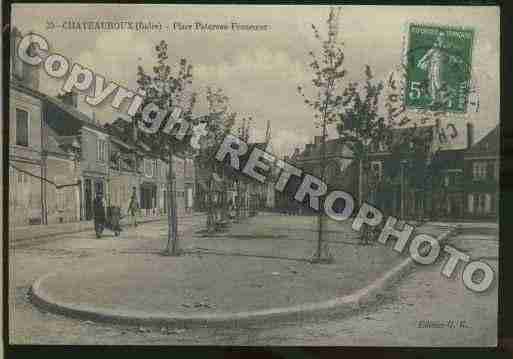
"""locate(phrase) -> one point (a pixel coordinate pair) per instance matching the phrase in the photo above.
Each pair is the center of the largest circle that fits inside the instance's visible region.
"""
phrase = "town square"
(288, 175)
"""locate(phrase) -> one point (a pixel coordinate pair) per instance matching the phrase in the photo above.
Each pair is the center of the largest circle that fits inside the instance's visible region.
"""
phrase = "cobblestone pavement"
(422, 295)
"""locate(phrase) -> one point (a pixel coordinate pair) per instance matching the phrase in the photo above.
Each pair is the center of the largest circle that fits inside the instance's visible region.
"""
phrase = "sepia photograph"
(253, 175)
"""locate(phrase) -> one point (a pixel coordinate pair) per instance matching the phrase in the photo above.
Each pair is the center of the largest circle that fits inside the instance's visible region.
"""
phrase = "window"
(22, 124)
(457, 179)
(490, 171)
(331, 171)
(377, 170)
(480, 203)
(447, 180)
(148, 167)
(189, 201)
(382, 146)
(156, 169)
(479, 170)
(60, 199)
(102, 150)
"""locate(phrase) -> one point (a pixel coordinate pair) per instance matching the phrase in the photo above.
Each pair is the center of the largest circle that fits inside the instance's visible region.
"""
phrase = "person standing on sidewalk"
(99, 214)
(133, 207)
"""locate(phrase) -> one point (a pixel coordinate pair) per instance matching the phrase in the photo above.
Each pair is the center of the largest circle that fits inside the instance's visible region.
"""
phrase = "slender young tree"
(167, 88)
(365, 127)
(218, 123)
(328, 75)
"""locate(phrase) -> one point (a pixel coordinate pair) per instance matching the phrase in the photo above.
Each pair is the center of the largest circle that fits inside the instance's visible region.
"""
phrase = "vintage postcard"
(253, 175)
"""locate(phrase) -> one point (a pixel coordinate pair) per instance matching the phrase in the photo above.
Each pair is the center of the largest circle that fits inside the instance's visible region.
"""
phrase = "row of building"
(59, 158)
(454, 177)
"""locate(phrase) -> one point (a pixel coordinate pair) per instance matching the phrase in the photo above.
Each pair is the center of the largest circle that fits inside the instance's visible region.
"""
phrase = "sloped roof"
(333, 147)
(83, 120)
(488, 144)
(56, 143)
(68, 109)
(67, 140)
(120, 143)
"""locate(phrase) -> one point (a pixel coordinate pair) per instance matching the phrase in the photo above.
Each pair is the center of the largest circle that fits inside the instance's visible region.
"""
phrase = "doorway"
(88, 199)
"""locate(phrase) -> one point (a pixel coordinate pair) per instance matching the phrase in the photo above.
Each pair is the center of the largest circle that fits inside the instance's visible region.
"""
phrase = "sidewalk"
(245, 275)
(23, 233)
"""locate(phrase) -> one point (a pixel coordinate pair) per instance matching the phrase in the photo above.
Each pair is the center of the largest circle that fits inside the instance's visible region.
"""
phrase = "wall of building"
(482, 187)
(62, 204)
(122, 182)
(24, 194)
(89, 143)
(20, 100)
(25, 185)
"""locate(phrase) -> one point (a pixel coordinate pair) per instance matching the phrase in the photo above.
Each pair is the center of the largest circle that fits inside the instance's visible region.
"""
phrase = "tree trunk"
(321, 245)
(210, 207)
(360, 182)
(172, 233)
(403, 191)
(224, 197)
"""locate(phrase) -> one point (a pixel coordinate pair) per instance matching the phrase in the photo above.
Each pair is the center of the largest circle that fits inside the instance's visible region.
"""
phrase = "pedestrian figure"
(133, 207)
(99, 214)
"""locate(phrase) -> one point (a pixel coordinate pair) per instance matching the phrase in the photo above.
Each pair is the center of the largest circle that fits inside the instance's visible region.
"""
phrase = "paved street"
(422, 295)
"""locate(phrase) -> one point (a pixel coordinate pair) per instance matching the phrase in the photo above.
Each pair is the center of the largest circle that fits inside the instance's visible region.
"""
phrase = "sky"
(259, 70)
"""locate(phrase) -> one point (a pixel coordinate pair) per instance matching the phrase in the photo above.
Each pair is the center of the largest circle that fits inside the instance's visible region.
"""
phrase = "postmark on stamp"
(438, 68)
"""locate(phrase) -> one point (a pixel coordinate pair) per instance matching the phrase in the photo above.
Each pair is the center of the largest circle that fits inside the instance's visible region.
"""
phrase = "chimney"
(16, 69)
(26, 74)
(31, 73)
(470, 135)
(317, 140)
(69, 98)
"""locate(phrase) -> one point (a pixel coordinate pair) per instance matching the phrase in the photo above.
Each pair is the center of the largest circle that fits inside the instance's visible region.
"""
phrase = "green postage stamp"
(438, 68)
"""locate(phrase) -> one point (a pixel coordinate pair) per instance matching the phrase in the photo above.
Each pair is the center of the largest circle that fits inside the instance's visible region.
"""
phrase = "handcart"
(111, 222)
(113, 219)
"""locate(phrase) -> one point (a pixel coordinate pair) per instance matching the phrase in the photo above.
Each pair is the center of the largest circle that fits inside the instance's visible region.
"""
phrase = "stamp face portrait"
(438, 68)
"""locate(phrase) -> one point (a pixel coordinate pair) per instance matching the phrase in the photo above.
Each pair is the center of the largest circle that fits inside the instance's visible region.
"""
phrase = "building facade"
(443, 175)
(59, 159)
(25, 157)
(481, 177)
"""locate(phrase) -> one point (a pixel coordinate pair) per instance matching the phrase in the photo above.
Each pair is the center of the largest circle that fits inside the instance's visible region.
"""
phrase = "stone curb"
(334, 307)
(21, 241)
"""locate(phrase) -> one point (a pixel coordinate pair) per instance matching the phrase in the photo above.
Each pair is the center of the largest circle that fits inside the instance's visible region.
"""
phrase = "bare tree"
(219, 122)
(167, 88)
(328, 74)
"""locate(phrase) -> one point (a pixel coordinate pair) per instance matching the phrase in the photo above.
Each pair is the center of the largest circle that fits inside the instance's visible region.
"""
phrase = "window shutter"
(490, 172)
(487, 206)
(470, 203)
(22, 127)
